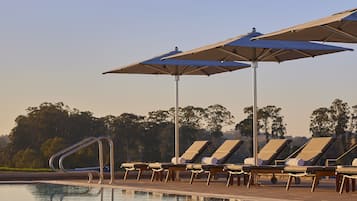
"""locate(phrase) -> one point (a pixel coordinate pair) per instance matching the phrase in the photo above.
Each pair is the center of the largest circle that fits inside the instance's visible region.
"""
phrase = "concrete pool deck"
(265, 192)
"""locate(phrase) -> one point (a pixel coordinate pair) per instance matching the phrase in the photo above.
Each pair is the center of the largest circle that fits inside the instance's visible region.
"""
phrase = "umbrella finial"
(253, 30)
(176, 48)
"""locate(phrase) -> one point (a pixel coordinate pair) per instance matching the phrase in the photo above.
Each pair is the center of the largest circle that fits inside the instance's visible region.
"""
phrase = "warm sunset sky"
(55, 51)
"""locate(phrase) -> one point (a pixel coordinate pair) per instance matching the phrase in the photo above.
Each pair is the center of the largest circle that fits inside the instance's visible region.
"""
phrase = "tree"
(269, 121)
(354, 119)
(325, 121)
(278, 128)
(52, 146)
(127, 134)
(166, 142)
(48, 121)
(217, 117)
(249, 112)
(192, 117)
(340, 116)
(158, 117)
(43, 122)
(6, 157)
(333, 120)
(28, 158)
(158, 141)
(245, 127)
(4, 141)
(264, 115)
(272, 120)
(320, 122)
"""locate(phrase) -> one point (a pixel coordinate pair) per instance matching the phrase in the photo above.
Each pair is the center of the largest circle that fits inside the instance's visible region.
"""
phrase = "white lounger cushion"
(209, 160)
(180, 160)
(354, 162)
(250, 161)
(295, 162)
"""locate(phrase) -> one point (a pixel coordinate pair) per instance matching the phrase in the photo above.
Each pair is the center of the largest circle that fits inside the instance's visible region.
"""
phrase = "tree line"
(50, 127)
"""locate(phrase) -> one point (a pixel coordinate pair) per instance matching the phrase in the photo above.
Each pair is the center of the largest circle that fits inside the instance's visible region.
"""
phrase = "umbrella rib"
(273, 55)
(264, 54)
(233, 54)
(182, 72)
(198, 69)
(328, 37)
(223, 69)
(303, 53)
(339, 32)
(224, 58)
(157, 69)
(205, 72)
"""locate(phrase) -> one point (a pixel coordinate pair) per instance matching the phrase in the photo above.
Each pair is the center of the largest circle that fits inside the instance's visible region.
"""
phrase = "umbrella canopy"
(177, 68)
(340, 27)
(242, 48)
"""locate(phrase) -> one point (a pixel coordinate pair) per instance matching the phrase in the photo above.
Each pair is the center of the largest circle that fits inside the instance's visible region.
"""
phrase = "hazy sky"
(55, 51)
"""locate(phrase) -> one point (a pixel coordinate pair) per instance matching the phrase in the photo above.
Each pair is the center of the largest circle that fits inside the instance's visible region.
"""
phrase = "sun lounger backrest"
(315, 147)
(194, 150)
(271, 150)
(225, 150)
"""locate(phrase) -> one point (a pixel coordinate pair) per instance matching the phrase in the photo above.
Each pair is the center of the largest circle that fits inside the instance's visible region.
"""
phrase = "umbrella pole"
(255, 113)
(255, 119)
(177, 137)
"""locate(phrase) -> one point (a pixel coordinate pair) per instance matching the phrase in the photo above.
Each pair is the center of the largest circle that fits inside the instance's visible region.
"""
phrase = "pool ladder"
(61, 155)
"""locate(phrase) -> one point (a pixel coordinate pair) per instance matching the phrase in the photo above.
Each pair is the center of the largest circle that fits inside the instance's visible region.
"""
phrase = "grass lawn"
(10, 169)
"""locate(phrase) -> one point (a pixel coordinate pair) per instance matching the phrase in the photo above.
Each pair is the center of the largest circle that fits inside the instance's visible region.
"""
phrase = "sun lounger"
(305, 161)
(301, 165)
(316, 172)
(214, 164)
(266, 157)
(189, 156)
(134, 166)
(344, 174)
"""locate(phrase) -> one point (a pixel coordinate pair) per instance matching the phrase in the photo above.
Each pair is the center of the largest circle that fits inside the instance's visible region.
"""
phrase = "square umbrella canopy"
(243, 48)
(339, 27)
(177, 68)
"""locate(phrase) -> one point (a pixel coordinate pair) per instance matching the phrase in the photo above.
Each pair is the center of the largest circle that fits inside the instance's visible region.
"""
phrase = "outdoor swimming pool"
(52, 192)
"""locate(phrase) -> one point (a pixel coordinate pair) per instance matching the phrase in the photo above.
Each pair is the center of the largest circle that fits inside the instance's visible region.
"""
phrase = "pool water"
(51, 192)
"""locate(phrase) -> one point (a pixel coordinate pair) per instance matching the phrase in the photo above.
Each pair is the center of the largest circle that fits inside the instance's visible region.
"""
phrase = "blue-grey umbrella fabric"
(177, 68)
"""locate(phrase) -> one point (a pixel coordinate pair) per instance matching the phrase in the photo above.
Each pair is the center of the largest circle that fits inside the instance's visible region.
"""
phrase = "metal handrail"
(54, 156)
(111, 157)
(80, 145)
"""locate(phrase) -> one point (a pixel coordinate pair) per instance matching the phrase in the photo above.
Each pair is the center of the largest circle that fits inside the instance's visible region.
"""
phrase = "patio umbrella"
(242, 48)
(339, 27)
(177, 68)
